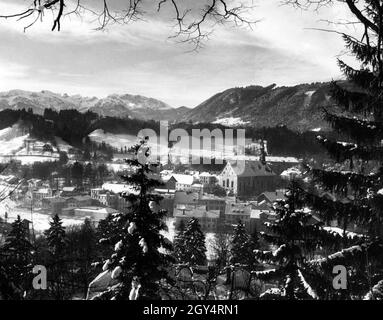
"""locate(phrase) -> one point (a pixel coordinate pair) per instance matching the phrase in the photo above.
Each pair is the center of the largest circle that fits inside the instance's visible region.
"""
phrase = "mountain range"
(114, 105)
(297, 107)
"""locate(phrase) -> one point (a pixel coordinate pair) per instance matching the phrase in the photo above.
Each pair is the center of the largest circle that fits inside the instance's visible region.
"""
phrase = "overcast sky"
(140, 59)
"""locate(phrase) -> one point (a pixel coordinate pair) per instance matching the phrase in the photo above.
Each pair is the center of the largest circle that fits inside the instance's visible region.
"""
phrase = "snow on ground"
(62, 145)
(40, 220)
(115, 140)
(11, 140)
(26, 160)
(117, 167)
(12, 147)
(231, 122)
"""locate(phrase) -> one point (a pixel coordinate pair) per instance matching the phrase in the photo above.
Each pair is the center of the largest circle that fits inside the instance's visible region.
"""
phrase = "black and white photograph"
(174, 152)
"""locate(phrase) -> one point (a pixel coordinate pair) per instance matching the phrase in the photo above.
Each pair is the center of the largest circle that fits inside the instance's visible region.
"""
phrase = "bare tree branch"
(191, 26)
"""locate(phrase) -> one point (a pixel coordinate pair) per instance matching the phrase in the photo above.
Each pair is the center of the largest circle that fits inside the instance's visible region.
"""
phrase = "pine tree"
(137, 263)
(57, 265)
(296, 237)
(242, 248)
(17, 258)
(189, 246)
(355, 178)
(56, 236)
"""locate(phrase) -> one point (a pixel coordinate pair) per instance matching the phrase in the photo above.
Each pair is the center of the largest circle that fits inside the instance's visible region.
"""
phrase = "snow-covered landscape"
(211, 155)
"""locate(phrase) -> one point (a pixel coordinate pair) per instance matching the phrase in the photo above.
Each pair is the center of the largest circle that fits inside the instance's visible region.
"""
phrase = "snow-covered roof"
(43, 190)
(197, 185)
(273, 196)
(183, 178)
(250, 168)
(195, 212)
(205, 174)
(281, 159)
(291, 171)
(69, 189)
(119, 188)
(98, 210)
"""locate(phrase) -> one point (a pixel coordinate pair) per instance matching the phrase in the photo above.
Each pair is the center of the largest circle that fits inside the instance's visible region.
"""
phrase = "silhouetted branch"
(191, 27)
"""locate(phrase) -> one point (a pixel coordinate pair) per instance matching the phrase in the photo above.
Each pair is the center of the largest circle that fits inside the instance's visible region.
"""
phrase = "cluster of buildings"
(250, 188)
(221, 214)
(185, 194)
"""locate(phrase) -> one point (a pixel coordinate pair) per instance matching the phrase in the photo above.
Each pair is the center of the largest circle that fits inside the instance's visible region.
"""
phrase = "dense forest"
(74, 127)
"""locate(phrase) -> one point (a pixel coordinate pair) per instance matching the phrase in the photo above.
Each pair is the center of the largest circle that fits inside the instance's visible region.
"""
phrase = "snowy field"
(231, 122)
(40, 220)
(12, 147)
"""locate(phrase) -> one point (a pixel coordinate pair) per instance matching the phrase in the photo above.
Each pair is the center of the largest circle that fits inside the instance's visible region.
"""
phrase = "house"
(280, 164)
(248, 178)
(35, 183)
(207, 179)
(181, 182)
(256, 147)
(79, 201)
(209, 201)
(95, 193)
(197, 187)
(54, 205)
(269, 197)
(69, 192)
(213, 202)
(260, 214)
(115, 199)
(209, 220)
(40, 194)
(235, 212)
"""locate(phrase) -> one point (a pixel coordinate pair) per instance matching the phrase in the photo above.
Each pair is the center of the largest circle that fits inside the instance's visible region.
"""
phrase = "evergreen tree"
(296, 237)
(137, 263)
(189, 245)
(242, 247)
(56, 237)
(355, 179)
(17, 258)
(57, 264)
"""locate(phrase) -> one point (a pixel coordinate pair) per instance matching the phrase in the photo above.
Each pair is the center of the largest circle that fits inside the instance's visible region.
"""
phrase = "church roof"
(250, 168)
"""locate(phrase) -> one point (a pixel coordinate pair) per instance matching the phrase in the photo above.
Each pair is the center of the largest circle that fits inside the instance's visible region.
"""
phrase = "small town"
(197, 157)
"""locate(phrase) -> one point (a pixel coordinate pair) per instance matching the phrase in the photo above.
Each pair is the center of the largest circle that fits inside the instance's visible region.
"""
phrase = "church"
(248, 178)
